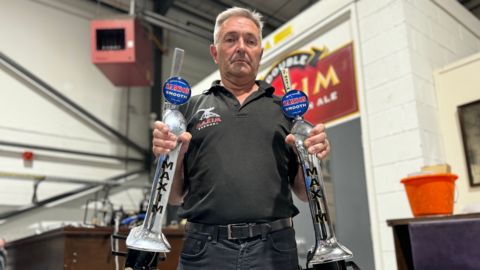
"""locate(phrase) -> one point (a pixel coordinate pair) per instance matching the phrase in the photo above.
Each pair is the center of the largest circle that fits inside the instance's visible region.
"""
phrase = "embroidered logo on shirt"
(209, 118)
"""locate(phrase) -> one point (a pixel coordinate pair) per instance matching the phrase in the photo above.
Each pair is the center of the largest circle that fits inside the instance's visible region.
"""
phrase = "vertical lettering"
(312, 172)
(165, 176)
(166, 165)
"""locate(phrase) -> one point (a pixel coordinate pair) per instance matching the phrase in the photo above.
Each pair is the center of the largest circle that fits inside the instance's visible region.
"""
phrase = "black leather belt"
(239, 231)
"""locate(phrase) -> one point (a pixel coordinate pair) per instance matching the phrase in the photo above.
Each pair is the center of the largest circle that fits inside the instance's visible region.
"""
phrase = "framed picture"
(469, 116)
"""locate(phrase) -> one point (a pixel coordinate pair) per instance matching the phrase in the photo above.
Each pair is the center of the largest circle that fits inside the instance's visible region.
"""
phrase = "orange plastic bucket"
(431, 194)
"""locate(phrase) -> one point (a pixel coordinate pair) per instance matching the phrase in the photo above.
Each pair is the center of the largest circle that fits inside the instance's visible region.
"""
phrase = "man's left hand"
(317, 142)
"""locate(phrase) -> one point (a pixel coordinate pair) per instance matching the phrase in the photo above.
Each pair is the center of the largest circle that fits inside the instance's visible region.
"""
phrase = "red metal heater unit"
(122, 50)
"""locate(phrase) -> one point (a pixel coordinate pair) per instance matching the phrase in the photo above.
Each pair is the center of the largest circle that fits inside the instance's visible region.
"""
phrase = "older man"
(237, 166)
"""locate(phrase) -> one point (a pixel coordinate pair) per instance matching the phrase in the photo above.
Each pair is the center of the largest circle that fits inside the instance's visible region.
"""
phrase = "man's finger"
(164, 136)
(316, 130)
(186, 137)
(317, 139)
(290, 139)
(160, 151)
(161, 126)
(164, 143)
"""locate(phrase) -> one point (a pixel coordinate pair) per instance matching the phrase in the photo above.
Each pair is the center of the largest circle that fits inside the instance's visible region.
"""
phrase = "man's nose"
(241, 45)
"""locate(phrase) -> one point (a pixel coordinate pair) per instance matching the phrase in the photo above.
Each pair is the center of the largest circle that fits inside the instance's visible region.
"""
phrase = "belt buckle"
(229, 230)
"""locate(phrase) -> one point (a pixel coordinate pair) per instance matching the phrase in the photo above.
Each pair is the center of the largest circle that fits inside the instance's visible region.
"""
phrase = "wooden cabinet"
(402, 238)
(70, 248)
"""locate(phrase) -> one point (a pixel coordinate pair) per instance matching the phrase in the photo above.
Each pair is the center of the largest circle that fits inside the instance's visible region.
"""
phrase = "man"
(3, 255)
(237, 167)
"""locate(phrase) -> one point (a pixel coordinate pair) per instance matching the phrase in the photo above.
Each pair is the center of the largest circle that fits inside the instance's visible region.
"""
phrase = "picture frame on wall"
(469, 117)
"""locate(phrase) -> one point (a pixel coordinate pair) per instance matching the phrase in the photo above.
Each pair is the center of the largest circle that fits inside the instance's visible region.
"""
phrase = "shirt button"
(235, 103)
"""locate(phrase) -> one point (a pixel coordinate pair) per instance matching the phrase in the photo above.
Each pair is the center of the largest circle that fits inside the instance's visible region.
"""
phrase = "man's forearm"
(298, 185)
(178, 190)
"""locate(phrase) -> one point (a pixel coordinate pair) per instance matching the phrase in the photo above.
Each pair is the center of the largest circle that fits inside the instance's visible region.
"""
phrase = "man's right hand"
(164, 141)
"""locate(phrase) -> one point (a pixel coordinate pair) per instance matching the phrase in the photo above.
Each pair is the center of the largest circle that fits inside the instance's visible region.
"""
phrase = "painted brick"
(392, 94)
(393, 206)
(421, 66)
(367, 8)
(381, 21)
(442, 37)
(385, 180)
(449, 23)
(400, 147)
(468, 38)
(386, 123)
(428, 118)
(461, 49)
(369, 27)
(416, 19)
(375, 74)
(387, 177)
(432, 146)
(450, 57)
(398, 64)
(424, 91)
(410, 115)
(387, 69)
(384, 44)
(393, 121)
(389, 260)
(437, 54)
(428, 8)
(386, 237)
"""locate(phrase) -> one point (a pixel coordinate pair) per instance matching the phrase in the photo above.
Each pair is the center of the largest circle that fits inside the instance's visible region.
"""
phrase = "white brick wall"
(403, 41)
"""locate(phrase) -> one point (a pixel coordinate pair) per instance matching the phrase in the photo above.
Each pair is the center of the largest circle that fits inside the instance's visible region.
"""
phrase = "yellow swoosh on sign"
(282, 34)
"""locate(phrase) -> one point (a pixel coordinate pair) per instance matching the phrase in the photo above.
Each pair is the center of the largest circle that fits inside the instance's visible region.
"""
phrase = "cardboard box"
(442, 168)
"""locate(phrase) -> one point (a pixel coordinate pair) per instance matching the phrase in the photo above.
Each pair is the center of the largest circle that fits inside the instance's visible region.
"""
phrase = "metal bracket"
(35, 188)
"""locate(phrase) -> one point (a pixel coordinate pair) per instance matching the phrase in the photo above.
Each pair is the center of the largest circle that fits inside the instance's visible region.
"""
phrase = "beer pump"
(145, 242)
(327, 253)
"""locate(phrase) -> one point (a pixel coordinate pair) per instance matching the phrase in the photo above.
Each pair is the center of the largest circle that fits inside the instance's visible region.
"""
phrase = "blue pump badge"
(177, 91)
(295, 103)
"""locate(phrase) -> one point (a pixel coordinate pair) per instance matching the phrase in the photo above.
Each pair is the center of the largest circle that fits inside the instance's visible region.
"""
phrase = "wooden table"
(71, 248)
(401, 235)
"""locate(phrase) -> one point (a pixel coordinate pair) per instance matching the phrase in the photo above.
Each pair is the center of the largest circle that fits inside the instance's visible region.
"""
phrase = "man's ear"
(213, 52)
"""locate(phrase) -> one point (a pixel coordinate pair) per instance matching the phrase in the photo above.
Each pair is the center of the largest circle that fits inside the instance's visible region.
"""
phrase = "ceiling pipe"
(163, 22)
(50, 91)
(33, 206)
(52, 149)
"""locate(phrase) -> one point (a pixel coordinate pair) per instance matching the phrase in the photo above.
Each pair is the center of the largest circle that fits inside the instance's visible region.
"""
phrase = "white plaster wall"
(457, 84)
(403, 41)
(53, 42)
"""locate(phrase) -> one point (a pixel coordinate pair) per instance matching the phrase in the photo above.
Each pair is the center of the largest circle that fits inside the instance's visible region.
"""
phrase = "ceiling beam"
(161, 7)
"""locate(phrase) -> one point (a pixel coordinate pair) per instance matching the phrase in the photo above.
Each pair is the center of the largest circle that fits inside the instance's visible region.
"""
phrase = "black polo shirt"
(238, 166)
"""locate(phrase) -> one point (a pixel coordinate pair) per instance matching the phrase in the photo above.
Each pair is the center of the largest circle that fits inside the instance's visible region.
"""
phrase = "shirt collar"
(261, 86)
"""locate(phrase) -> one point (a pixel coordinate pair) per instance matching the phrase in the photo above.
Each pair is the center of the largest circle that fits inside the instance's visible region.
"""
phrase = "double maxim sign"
(327, 78)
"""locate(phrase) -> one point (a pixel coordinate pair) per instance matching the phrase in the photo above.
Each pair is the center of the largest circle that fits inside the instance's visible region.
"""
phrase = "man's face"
(239, 50)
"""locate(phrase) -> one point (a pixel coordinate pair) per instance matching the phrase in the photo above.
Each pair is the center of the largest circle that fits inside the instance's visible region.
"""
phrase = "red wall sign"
(328, 79)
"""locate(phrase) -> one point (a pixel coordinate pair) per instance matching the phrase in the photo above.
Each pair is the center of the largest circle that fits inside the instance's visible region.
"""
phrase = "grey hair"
(254, 16)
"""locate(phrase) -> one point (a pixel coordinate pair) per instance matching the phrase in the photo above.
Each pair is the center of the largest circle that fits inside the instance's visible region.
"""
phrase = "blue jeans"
(277, 251)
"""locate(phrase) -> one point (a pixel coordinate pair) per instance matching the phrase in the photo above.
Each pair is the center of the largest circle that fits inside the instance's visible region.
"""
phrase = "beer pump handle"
(287, 83)
(177, 62)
